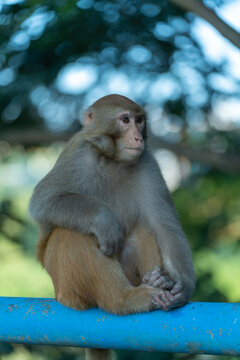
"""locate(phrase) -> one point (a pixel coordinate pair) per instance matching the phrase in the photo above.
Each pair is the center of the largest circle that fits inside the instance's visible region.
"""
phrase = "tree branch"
(33, 137)
(224, 162)
(198, 7)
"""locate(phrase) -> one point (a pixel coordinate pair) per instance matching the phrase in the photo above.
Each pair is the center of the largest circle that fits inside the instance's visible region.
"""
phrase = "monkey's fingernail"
(170, 297)
(158, 302)
(158, 283)
(177, 289)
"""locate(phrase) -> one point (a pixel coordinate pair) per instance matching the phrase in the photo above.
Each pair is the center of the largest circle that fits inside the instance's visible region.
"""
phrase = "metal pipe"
(205, 328)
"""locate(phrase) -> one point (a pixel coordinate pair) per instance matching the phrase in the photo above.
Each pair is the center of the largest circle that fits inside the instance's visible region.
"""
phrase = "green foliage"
(38, 39)
(209, 210)
(18, 273)
(104, 35)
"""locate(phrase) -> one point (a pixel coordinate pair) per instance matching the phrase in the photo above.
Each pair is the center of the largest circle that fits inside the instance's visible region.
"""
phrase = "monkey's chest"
(120, 196)
(125, 208)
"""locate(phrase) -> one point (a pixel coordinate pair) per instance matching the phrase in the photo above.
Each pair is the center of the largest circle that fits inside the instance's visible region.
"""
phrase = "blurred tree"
(199, 8)
(57, 56)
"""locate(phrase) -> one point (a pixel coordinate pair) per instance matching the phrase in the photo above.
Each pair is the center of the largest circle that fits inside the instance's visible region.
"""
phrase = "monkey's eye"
(125, 119)
(140, 119)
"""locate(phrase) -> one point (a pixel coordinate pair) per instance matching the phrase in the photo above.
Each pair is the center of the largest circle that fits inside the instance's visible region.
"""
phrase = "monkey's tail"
(99, 354)
(43, 236)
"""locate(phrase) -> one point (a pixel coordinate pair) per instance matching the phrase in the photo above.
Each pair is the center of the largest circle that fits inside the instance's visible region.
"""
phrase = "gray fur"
(90, 193)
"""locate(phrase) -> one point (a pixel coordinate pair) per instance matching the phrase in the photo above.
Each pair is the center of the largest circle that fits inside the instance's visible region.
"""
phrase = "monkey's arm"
(175, 250)
(80, 213)
(176, 260)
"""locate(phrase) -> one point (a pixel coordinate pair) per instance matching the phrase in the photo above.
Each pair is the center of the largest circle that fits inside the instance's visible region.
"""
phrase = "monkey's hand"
(158, 278)
(108, 232)
(169, 294)
(170, 299)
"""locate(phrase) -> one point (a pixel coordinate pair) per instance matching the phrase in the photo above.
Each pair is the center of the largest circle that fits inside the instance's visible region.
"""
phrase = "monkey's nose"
(139, 139)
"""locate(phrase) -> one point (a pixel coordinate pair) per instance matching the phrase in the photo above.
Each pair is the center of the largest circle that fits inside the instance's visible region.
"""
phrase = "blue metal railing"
(211, 328)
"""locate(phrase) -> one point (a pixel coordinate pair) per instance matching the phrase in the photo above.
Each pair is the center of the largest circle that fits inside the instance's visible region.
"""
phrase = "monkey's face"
(117, 126)
(129, 140)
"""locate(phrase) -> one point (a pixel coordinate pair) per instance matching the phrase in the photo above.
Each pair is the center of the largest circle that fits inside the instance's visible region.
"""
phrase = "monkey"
(109, 233)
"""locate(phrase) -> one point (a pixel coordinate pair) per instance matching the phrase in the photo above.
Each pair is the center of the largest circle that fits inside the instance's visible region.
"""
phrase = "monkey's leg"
(83, 277)
(140, 255)
(141, 262)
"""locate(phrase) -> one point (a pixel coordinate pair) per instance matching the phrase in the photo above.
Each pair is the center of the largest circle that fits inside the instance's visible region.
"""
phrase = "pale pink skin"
(167, 293)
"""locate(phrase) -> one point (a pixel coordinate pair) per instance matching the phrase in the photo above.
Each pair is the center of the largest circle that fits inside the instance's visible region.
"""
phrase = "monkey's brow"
(131, 113)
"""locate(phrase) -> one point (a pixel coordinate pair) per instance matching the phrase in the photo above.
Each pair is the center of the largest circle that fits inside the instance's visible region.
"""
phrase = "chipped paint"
(236, 307)
(210, 332)
(194, 348)
(46, 338)
(12, 307)
(45, 321)
(47, 309)
(230, 352)
(30, 310)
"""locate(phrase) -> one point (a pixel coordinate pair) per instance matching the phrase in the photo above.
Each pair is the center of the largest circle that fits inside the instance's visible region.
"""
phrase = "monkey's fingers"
(178, 301)
(152, 276)
(166, 301)
(158, 302)
(146, 277)
(158, 278)
(162, 299)
(178, 288)
(164, 282)
(174, 298)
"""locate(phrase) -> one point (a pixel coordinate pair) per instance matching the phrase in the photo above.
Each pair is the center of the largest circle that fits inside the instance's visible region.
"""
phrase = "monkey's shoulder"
(77, 151)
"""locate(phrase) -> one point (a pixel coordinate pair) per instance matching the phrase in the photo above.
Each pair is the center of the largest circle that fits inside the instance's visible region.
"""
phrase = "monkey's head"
(119, 127)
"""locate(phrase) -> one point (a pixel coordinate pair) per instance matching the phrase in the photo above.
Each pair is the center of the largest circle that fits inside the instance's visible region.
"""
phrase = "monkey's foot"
(162, 300)
(169, 299)
(158, 278)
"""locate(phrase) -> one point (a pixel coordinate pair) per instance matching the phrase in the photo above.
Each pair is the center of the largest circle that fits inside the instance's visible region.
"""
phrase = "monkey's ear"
(88, 118)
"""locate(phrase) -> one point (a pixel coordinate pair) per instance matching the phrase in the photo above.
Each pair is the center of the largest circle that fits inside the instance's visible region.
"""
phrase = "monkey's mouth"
(134, 149)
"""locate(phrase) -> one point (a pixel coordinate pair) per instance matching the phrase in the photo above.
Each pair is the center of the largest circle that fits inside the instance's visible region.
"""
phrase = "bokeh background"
(56, 58)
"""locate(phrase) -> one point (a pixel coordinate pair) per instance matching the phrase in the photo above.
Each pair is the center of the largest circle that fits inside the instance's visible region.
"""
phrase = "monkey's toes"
(158, 303)
(162, 300)
(169, 300)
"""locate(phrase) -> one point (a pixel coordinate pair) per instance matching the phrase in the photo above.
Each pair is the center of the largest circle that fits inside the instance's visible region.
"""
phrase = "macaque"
(109, 234)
